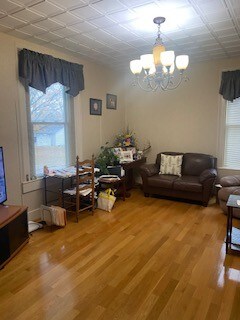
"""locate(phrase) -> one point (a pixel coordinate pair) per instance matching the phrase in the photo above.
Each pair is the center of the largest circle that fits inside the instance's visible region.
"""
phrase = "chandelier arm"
(171, 86)
(149, 87)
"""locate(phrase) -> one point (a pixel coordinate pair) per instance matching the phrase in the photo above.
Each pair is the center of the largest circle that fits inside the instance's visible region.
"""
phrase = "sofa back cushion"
(195, 163)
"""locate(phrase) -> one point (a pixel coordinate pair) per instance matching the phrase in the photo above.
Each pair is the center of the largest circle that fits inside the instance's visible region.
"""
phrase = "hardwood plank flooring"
(148, 259)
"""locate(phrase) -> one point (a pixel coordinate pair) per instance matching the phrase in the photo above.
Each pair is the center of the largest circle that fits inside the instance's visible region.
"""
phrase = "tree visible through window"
(49, 128)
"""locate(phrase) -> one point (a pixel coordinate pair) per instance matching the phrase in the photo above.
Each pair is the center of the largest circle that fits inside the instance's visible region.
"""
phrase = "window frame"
(69, 126)
(222, 136)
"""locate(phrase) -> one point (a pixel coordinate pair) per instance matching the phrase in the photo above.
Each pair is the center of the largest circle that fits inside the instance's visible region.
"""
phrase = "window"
(231, 156)
(50, 125)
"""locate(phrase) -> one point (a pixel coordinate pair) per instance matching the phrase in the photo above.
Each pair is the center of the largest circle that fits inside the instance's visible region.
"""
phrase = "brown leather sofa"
(196, 183)
(230, 185)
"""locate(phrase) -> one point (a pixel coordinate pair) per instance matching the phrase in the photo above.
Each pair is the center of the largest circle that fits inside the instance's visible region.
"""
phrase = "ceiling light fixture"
(158, 67)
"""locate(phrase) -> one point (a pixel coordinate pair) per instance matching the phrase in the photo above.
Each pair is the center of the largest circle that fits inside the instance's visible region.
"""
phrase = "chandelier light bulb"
(147, 61)
(167, 58)
(182, 62)
(152, 70)
(136, 66)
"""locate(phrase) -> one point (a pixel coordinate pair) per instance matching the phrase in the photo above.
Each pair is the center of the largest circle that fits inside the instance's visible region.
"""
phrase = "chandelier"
(153, 71)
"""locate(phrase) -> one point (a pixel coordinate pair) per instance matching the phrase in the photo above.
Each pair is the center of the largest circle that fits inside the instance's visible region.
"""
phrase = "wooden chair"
(81, 197)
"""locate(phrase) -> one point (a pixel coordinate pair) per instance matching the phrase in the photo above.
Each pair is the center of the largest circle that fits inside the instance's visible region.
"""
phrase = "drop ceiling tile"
(227, 32)
(173, 4)
(202, 37)
(190, 22)
(221, 25)
(217, 16)
(138, 42)
(102, 36)
(66, 18)
(2, 14)
(234, 49)
(47, 8)
(106, 6)
(37, 41)
(199, 31)
(65, 32)
(19, 34)
(27, 15)
(86, 12)
(211, 6)
(11, 22)
(84, 27)
(229, 38)
(137, 27)
(49, 24)
(102, 22)
(26, 2)
(49, 36)
(71, 45)
(123, 16)
(206, 41)
(31, 29)
(148, 10)
(67, 4)
(121, 33)
(177, 35)
(84, 40)
(4, 29)
(83, 49)
(9, 6)
(132, 3)
(231, 44)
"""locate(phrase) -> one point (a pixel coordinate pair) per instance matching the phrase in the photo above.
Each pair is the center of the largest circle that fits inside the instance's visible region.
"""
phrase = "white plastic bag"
(106, 200)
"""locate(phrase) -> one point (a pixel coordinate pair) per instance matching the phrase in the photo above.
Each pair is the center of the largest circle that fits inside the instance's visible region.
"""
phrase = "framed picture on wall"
(95, 107)
(111, 101)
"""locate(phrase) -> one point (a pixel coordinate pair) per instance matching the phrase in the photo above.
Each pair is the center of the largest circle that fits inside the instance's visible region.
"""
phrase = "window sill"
(227, 168)
(32, 185)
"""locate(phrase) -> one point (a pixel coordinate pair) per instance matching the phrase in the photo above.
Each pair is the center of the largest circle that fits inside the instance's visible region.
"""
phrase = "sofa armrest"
(149, 170)
(207, 174)
(230, 181)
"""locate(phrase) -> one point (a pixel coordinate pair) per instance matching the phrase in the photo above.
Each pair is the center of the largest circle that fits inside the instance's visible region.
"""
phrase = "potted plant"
(106, 158)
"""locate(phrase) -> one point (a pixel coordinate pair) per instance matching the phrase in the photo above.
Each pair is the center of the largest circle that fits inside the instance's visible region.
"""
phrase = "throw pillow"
(171, 164)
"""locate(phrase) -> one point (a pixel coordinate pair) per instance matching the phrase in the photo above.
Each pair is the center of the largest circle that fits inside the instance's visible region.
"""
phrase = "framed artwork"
(95, 107)
(111, 101)
(126, 156)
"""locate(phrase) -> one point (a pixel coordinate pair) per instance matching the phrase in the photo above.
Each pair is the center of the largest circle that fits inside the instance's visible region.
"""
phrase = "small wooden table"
(118, 184)
(129, 168)
(233, 234)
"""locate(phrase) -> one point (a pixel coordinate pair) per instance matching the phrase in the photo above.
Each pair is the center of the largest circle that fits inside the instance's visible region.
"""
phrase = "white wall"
(91, 131)
(185, 119)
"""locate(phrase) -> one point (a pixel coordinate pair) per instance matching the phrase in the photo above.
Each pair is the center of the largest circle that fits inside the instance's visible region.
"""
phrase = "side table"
(233, 234)
(117, 184)
(129, 168)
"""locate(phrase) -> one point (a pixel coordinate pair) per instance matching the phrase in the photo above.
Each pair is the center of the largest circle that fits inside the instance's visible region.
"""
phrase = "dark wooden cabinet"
(13, 231)
(129, 168)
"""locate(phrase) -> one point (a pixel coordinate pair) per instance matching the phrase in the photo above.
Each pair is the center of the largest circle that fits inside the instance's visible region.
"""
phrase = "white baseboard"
(35, 215)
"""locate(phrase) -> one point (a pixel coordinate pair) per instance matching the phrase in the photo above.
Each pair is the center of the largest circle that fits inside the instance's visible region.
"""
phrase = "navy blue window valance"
(41, 70)
(230, 85)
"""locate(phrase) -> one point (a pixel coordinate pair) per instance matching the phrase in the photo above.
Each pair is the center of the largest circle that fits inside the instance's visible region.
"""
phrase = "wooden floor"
(148, 259)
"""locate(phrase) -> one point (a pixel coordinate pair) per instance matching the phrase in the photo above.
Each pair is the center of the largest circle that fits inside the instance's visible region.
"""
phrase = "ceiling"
(113, 32)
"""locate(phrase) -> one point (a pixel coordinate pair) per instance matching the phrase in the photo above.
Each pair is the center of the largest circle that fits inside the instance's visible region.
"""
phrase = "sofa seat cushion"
(162, 180)
(224, 193)
(188, 183)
